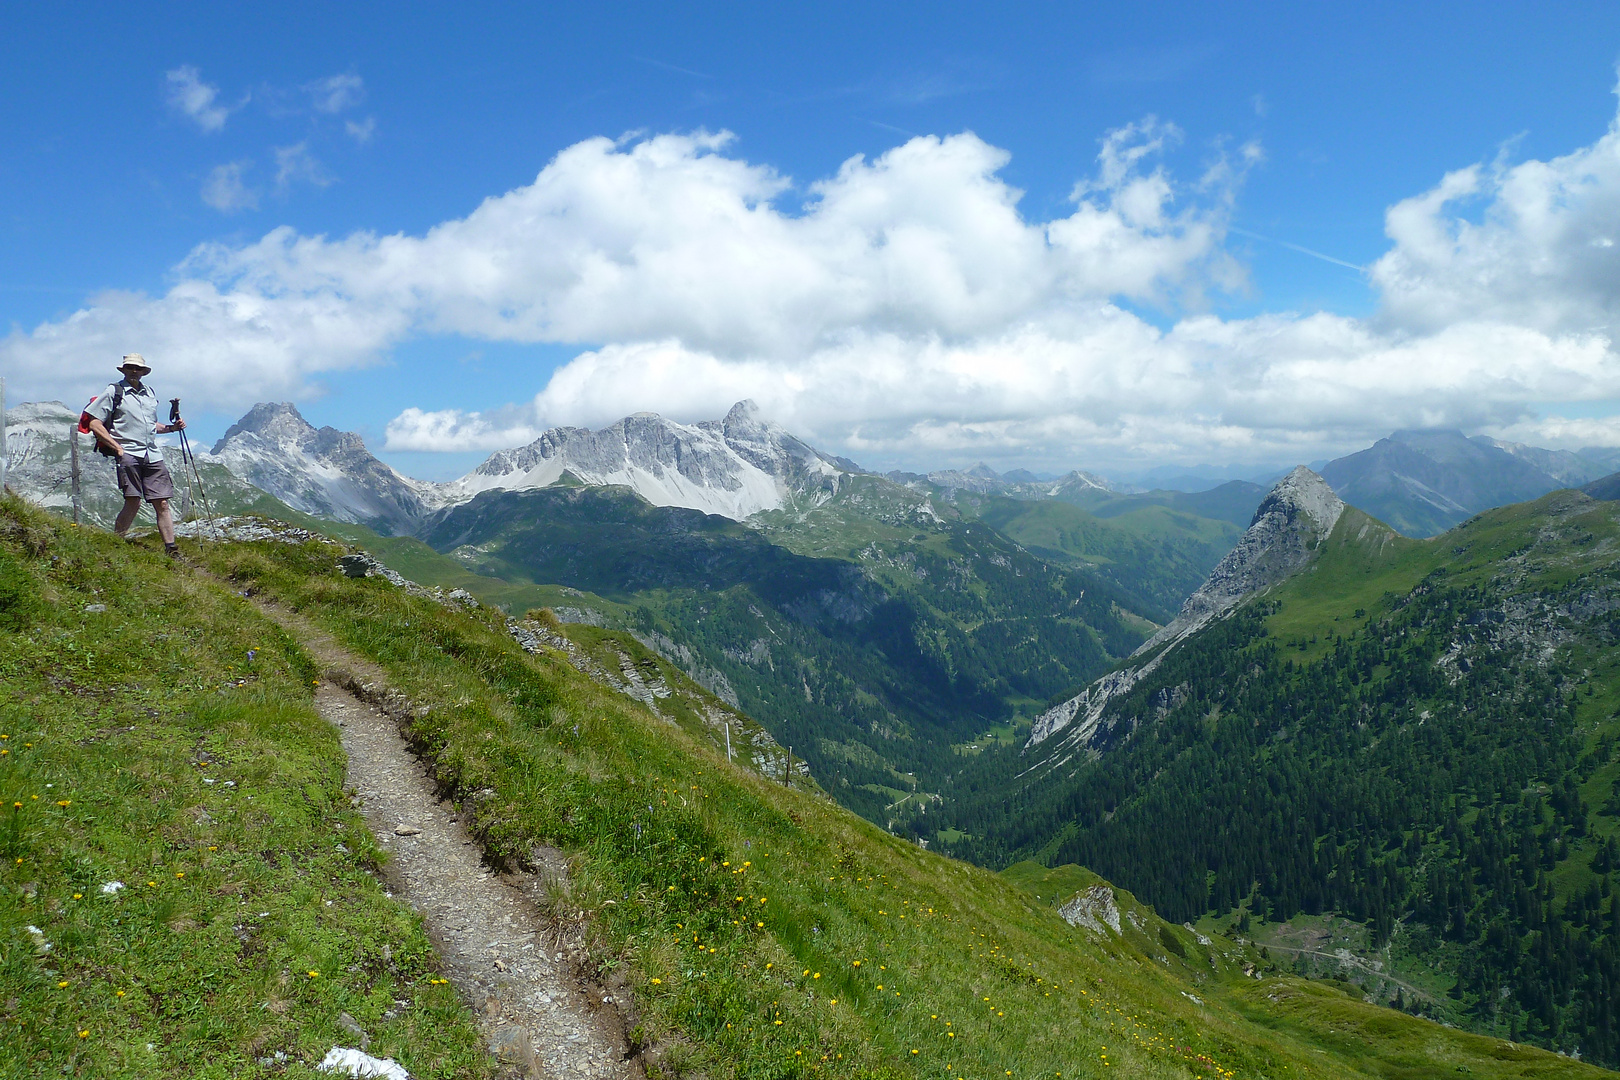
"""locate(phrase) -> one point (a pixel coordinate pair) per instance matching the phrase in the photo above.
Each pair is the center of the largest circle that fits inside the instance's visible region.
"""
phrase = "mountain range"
(734, 467)
(1422, 483)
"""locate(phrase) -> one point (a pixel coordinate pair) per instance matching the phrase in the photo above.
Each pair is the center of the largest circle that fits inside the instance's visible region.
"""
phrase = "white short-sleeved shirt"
(135, 426)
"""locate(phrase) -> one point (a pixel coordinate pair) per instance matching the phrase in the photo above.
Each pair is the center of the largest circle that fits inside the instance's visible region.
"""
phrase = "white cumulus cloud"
(905, 308)
(1539, 248)
(454, 430)
(295, 164)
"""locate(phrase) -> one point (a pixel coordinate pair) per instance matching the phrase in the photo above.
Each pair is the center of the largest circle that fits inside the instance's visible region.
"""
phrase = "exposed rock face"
(1093, 908)
(1300, 511)
(1289, 524)
(733, 467)
(326, 472)
(1087, 706)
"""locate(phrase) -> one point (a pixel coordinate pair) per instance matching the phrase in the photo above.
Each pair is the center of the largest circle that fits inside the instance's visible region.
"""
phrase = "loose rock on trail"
(512, 961)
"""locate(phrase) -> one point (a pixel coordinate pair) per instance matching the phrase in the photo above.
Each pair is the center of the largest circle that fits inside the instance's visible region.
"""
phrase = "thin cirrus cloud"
(335, 93)
(903, 309)
(225, 190)
(295, 164)
(195, 99)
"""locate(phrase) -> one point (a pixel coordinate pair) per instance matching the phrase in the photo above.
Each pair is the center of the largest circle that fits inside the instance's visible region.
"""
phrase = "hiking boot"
(172, 550)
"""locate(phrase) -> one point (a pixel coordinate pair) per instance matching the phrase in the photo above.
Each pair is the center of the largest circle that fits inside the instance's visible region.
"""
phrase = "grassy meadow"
(185, 889)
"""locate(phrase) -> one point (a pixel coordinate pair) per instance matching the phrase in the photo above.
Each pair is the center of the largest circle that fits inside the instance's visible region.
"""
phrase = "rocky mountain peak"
(745, 414)
(278, 421)
(325, 472)
(1289, 524)
(733, 467)
(1302, 494)
(1298, 513)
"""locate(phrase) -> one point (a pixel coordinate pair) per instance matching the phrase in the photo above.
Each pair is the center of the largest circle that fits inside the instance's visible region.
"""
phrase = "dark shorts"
(140, 479)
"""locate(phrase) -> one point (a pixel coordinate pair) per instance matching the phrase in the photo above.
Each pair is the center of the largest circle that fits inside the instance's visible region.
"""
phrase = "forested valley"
(1442, 768)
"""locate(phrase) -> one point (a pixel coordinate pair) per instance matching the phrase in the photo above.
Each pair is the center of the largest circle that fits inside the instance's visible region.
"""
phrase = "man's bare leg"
(126, 516)
(165, 521)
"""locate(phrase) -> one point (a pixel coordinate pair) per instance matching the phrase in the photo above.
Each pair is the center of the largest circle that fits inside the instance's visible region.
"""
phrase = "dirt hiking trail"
(516, 964)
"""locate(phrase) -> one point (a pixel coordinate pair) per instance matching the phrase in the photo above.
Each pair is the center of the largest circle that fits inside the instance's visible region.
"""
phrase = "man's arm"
(104, 437)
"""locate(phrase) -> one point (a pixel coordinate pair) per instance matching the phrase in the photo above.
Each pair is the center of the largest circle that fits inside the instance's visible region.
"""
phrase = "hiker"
(123, 419)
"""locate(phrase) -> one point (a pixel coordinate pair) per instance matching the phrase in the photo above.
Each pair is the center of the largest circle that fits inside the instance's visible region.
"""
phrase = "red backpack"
(85, 418)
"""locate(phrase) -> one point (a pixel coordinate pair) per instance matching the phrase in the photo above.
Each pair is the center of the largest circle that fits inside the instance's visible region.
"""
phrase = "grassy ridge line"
(723, 897)
(168, 743)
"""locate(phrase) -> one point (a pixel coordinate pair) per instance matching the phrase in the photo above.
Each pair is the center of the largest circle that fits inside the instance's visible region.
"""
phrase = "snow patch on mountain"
(735, 467)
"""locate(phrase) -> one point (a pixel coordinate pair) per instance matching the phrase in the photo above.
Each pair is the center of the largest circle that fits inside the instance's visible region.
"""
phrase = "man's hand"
(178, 425)
(99, 432)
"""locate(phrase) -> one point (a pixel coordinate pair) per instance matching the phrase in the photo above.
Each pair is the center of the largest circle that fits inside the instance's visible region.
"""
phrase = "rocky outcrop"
(1093, 908)
(1088, 705)
(1288, 526)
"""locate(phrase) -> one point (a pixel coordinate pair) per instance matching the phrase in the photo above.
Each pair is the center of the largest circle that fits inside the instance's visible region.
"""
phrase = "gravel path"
(514, 963)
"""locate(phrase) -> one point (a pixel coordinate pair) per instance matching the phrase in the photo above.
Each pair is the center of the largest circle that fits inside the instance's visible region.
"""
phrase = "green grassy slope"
(168, 743)
(1153, 550)
(1419, 735)
(765, 932)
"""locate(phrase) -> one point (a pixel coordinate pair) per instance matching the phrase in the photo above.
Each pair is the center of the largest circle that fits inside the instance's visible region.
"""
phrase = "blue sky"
(144, 153)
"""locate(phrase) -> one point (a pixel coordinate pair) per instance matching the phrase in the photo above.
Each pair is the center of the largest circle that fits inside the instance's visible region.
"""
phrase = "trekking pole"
(187, 457)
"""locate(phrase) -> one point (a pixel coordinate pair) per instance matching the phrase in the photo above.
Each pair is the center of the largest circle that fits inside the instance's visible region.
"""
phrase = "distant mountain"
(981, 479)
(1425, 482)
(1606, 488)
(1156, 545)
(1569, 469)
(326, 472)
(733, 467)
(37, 442)
(1606, 458)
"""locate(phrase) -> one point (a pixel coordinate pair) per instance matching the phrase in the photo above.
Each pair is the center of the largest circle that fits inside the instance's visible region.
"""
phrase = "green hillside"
(1151, 550)
(714, 896)
(1419, 736)
(870, 634)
